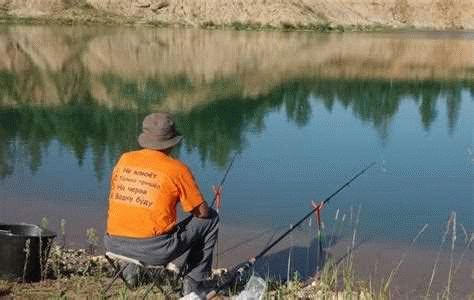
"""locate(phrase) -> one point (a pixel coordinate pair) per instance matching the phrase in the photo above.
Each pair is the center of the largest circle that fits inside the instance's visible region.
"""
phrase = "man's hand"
(201, 211)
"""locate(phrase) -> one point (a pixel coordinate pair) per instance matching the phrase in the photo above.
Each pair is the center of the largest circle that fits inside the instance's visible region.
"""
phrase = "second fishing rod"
(264, 251)
(240, 269)
(221, 183)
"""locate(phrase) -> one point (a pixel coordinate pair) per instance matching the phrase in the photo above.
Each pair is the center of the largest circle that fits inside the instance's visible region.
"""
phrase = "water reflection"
(215, 129)
(89, 88)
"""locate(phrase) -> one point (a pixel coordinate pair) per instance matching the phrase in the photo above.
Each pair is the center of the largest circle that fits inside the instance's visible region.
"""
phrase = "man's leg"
(198, 236)
(195, 238)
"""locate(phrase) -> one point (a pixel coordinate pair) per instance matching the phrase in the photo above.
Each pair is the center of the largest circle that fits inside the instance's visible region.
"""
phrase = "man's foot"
(131, 275)
(200, 288)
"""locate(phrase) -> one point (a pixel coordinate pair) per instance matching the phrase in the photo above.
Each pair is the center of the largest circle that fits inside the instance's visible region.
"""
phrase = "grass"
(79, 273)
(86, 15)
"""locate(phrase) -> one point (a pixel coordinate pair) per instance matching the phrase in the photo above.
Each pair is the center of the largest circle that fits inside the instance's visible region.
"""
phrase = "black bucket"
(24, 251)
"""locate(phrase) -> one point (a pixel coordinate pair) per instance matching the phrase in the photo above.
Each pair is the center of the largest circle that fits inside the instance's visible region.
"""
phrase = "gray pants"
(194, 237)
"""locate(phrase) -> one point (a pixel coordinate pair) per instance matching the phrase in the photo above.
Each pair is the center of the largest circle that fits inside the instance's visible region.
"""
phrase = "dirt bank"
(286, 14)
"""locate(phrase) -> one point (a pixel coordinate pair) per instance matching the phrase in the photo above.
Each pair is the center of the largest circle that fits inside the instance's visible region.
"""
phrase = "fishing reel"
(235, 279)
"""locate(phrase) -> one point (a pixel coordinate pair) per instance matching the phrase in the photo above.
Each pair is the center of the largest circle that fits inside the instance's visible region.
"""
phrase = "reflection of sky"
(426, 173)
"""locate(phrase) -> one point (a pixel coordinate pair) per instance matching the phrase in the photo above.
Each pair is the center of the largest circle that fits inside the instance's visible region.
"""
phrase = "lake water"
(305, 112)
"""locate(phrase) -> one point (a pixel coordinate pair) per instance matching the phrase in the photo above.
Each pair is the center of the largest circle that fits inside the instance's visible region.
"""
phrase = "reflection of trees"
(297, 105)
(453, 107)
(215, 128)
(78, 127)
(6, 146)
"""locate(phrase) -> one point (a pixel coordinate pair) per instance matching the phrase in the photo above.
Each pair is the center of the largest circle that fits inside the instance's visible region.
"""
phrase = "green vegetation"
(287, 26)
(109, 19)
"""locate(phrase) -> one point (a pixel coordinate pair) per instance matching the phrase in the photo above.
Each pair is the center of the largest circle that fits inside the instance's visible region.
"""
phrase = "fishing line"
(309, 238)
(273, 235)
(290, 254)
(217, 197)
(257, 236)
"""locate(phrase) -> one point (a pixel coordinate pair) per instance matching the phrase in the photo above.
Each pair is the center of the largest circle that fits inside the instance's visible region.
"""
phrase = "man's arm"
(201, 211)
(189, 194)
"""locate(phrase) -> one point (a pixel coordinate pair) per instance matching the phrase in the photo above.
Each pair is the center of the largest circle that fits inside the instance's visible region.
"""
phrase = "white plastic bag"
(254, 289)
(190, 296)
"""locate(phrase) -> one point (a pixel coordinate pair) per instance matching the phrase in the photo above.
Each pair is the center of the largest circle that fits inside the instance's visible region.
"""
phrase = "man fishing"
(146, 185)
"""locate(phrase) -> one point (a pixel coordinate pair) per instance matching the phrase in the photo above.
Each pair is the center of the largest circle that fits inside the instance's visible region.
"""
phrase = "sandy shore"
(240, 14)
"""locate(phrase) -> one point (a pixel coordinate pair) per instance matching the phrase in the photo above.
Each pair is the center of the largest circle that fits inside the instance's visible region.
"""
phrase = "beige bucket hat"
(159, 132)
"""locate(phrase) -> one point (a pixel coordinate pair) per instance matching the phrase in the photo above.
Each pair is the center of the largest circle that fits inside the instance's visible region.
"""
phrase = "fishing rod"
(264, 251)
(240, 269)
(224, 177)
(221, 183)
(216, 194)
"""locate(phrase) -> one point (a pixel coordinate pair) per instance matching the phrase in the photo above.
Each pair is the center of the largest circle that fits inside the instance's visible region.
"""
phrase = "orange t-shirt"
(145, 187)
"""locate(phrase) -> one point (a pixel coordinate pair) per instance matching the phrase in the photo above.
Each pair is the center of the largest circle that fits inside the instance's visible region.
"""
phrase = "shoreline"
(366, 263)
(235, 26)
(307, 15)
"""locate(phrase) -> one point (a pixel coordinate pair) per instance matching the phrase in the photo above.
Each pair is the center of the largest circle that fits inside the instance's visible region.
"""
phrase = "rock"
(160, 5)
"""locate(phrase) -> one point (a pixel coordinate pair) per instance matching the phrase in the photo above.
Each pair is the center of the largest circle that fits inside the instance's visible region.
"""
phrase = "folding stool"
(120, 262)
